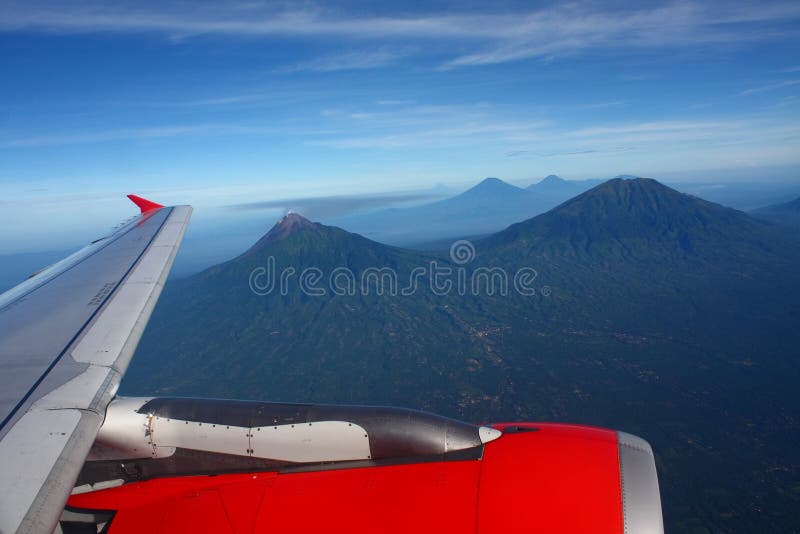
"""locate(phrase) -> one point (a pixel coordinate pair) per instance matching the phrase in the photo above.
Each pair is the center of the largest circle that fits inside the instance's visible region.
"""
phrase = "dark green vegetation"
(655, 313)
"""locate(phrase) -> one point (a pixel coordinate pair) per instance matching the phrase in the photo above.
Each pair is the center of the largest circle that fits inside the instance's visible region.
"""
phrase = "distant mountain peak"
(554, 184)
(291, 223)
(622, 179)
(627, 182)
(626, 212)
(492, 182)
(552, 179)
(631, 192)
(492, 185)
(288, 225)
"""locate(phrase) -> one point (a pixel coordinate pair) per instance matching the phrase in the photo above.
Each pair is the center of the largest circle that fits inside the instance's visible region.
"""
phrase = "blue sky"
(222, 102)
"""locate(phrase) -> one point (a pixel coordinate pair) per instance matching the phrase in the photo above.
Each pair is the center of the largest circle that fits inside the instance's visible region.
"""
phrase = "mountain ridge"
(784, 213)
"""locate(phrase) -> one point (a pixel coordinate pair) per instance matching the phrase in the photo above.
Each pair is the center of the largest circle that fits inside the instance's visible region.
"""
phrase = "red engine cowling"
(536, 477)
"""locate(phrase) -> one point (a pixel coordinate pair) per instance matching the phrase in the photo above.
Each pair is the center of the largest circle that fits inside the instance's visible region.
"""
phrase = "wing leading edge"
(66, 337)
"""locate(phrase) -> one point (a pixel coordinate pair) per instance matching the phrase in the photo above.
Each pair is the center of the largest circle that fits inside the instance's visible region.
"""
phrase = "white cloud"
(367, 59)
(488, 38)
(577, 28)
(655, 127)
(769, 87)
(68, 138)
(454, 133)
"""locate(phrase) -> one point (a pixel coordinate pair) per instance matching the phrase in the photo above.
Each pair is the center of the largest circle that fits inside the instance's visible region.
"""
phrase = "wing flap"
(83, 392)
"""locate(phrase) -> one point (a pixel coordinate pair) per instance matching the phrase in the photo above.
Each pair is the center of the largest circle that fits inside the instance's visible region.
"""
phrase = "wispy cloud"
(68, 138)
(394, 102)
(581, 27)
(423, 126)
(769, 87)
(333, 206)
(537, 154)
(488, 38)
(175, 20)
(601, 105)
(786, 101)
(367, 59)
(451, 135)
(639, 77)
(653, 137)
(379, 126)
(578, 152)
(517, 137)
(691, 133)
(419, 117)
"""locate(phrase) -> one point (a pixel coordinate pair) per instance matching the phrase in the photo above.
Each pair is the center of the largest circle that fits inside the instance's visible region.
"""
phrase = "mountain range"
(487, 207)
(492, 205)
(630, 305)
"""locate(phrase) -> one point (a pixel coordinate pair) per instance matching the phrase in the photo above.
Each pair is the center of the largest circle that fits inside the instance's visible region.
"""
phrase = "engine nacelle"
(420, 470)
(143, 438)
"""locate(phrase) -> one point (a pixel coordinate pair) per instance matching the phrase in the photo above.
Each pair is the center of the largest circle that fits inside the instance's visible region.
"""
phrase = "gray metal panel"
(641, 499)
(393, 432)
(37, 327)
(66, 338)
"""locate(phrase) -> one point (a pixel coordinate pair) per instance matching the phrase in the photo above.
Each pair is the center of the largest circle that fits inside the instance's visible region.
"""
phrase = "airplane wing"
(67, 335)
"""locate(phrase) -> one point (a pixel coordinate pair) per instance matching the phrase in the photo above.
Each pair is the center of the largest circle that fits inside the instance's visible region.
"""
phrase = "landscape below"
(651, 311)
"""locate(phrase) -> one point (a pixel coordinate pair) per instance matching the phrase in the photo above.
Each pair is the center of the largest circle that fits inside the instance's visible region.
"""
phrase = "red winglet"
(144, 204)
